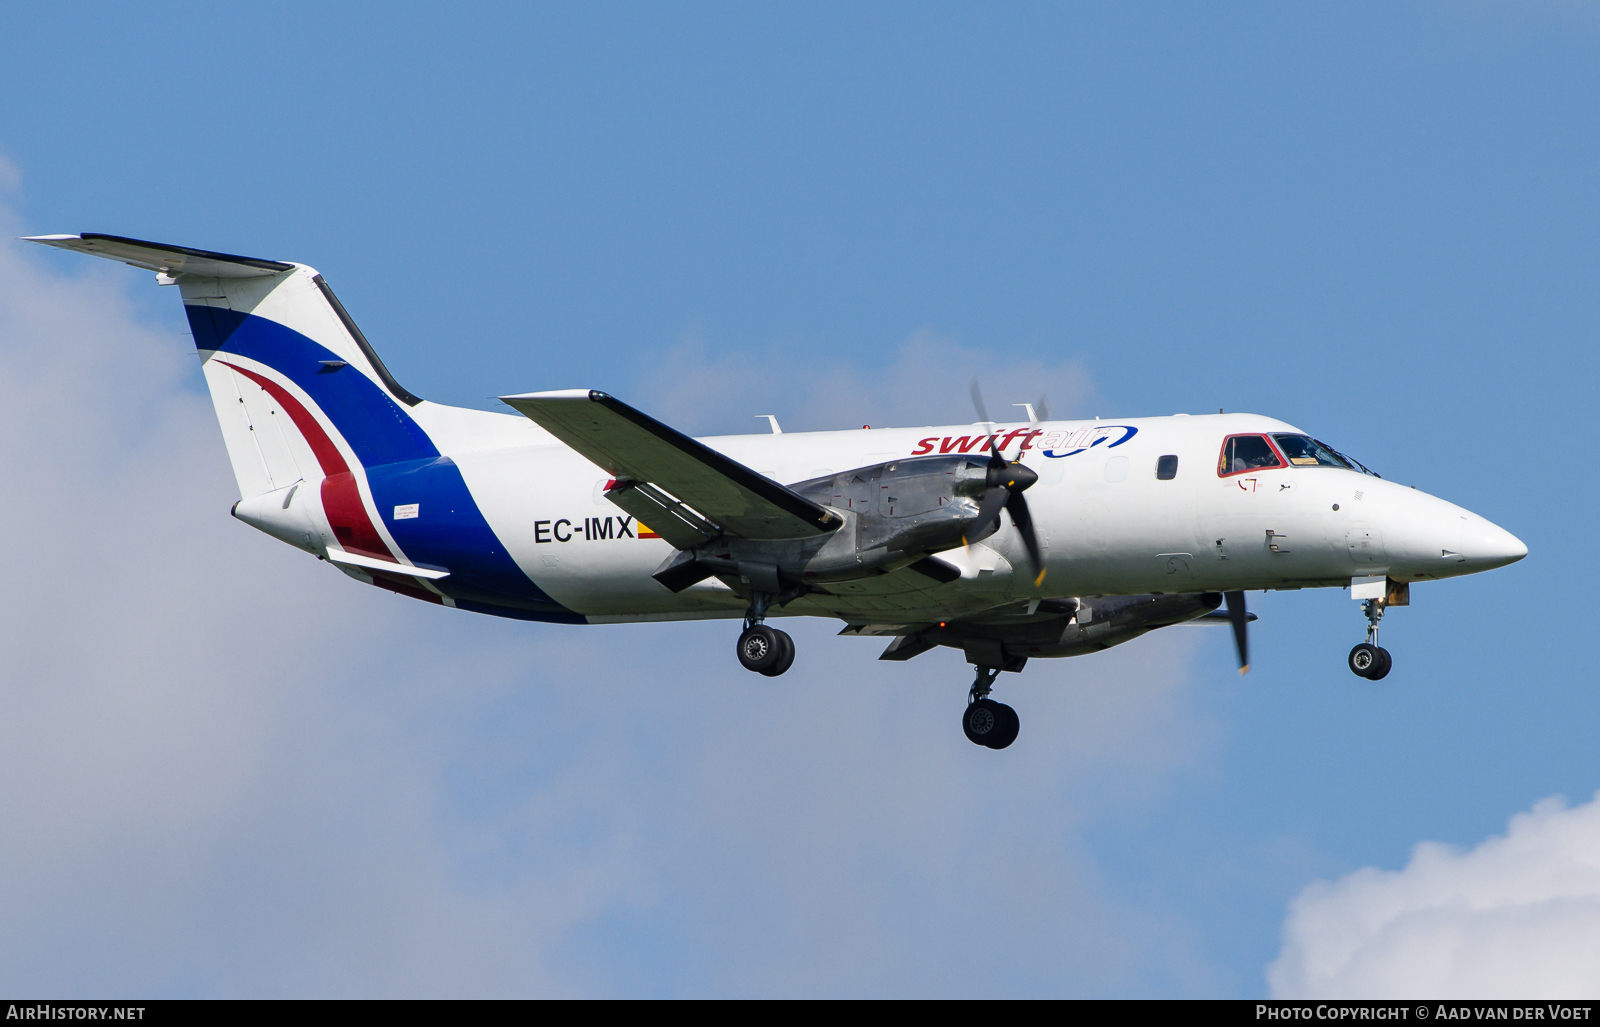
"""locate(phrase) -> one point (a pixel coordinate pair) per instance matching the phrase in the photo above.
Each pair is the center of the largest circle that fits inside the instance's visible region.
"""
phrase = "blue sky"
(1377, 222)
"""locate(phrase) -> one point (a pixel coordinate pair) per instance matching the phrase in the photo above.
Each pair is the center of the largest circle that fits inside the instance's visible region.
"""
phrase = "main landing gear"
(1368, 660)
(985, 721)
(762, 649)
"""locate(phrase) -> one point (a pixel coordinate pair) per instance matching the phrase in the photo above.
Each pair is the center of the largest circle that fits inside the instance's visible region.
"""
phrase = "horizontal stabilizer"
(1217, 617)
(369, 563)
(634, 447)
(879, 630)
(161, 257)
(906, 647)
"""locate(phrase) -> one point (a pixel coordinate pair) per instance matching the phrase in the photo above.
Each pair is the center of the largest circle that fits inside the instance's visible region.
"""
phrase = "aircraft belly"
(884, 609)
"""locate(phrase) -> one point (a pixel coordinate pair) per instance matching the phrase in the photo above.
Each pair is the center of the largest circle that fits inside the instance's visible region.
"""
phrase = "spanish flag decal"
(644, 532)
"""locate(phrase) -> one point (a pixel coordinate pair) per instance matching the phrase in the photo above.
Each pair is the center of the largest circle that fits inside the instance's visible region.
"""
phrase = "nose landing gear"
(986, 722)
(762, 649)
(1368, 660)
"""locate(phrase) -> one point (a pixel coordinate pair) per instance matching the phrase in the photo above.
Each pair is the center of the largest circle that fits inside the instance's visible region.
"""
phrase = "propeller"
(1004, 483)
(1240, 619)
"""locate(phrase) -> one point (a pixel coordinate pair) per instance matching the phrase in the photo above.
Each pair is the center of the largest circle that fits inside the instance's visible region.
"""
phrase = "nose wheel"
(1369, 660)
(986, 722)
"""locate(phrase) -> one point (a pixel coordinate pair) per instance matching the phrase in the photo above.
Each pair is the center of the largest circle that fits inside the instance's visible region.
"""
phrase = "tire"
(1008, 728)
(983, 720)
(759, 648)
(1380, 670)
(785, 655)
(1364, 659)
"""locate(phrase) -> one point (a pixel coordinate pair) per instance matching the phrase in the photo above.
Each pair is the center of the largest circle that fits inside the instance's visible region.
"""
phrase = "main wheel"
(1364, 659)
(1381, 668)
(759, 648)
(1009, 725)
(983, 720)
(785, 656)
(990, 723)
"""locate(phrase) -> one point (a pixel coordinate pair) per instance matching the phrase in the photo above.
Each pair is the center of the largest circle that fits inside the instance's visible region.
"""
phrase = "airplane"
(1009, 541)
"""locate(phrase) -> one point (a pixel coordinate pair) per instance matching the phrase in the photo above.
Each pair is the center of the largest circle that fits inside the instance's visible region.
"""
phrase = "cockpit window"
(1350, 461)
(1247, 453)
(1305, 451)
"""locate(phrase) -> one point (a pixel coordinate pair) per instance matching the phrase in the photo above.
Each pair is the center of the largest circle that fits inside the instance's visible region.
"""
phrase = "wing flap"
(634, 447)
(679, 525)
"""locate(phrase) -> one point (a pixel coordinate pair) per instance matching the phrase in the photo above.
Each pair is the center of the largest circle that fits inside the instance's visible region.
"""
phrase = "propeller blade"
(1240, 619)
(988, 519)
(1005, 483)
(1042, 408)
(995, 459)
(977, 400)
(1018, 508)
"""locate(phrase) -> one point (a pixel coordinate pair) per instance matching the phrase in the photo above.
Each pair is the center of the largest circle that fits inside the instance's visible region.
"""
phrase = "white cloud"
(228, 770)
(1516, 917)
(924, 381)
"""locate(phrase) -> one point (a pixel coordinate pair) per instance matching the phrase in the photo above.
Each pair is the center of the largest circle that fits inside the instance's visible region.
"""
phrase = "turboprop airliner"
(1008, 541)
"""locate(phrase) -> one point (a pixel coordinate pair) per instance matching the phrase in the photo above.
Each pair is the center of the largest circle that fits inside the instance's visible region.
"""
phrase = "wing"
(648, 458)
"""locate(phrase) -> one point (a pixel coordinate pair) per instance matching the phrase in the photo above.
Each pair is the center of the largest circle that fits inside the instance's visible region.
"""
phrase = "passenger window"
(1166, 468)
(1247, 453)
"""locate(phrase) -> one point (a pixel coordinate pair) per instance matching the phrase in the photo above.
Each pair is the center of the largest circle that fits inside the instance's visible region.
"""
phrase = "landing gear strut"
(762, 649)
(1369, 660)
(985, 721)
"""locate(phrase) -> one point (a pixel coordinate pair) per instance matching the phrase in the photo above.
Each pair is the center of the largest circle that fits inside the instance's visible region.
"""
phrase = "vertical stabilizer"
(276, 348)
(299, 393)
(323, 441)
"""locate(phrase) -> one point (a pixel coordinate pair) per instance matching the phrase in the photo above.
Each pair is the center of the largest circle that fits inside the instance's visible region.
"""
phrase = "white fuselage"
(1107, 525)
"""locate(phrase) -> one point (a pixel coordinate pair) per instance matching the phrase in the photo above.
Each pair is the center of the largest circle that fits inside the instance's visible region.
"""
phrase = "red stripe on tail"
(341, 498)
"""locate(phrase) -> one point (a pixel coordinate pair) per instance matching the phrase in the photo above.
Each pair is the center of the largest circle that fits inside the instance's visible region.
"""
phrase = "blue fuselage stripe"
(402, 465)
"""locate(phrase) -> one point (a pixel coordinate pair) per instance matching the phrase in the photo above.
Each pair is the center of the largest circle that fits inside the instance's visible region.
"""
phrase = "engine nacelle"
(894, 514)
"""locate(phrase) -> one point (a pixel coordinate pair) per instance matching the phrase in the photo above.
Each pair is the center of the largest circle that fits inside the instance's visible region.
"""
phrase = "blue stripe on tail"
(402, 464)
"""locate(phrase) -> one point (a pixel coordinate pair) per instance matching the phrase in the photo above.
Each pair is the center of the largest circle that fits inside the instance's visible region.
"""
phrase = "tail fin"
(299, 392)
(302, 398)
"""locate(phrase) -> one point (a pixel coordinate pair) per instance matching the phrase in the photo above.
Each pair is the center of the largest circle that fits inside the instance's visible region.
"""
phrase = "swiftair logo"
(1054, 444)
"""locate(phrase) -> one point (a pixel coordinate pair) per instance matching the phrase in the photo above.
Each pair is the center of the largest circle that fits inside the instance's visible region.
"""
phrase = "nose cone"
(1432, 538)
(1487, 546)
